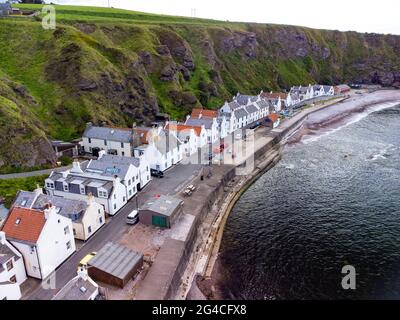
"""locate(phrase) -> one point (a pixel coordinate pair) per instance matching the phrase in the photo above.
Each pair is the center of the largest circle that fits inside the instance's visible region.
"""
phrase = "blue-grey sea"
(333, 200)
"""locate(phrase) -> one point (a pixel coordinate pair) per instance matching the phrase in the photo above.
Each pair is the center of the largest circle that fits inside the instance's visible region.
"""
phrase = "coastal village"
(94, 229)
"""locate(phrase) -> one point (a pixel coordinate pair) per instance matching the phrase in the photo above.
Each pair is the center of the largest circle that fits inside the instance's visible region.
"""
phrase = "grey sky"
(358, 15)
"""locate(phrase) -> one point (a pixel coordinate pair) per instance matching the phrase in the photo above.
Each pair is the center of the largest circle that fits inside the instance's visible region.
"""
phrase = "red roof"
(143, 134)
(205, 113)
(273, 116)
(182, 127)
(274, 95)
(24, 224)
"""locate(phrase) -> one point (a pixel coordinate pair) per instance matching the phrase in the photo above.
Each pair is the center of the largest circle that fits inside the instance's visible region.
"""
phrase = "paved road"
(174, 180)
(32, 173)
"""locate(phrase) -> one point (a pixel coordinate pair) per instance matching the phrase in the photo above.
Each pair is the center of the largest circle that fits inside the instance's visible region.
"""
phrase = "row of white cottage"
(39, 233)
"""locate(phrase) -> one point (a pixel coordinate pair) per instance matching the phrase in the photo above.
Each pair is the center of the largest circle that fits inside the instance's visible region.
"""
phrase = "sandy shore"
(212, 286)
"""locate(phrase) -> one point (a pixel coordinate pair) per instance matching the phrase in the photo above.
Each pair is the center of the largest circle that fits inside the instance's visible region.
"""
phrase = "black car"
(156, 173)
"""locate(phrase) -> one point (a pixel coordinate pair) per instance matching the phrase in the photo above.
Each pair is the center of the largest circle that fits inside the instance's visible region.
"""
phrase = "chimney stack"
(2, 237)
(76, 167)
(49, 210)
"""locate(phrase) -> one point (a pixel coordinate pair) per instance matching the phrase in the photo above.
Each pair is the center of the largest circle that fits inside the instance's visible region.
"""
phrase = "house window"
(66, 230)
(82, 189)
(32, 249)
(68, 245)
(10, 265)
(90, 141)
(122, 144)
(65, 187)
(18, 221)
(105, 142)
(101, 220)
(123, 153)
(89, 229)
(102, 194)
(50, 185)
(123, 199)
(115, 206)
(99, 211)
(115, 196)
(13, 279)
(74, 230)
(129, 182)
(130, 192)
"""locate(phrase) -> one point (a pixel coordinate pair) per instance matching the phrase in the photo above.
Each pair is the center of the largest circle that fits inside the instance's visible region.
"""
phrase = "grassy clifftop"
(119, 66)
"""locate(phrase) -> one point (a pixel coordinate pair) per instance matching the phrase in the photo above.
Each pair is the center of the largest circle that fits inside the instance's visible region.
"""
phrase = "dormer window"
(82, 189)
(65, 187)
(50, 185)
(102, 194)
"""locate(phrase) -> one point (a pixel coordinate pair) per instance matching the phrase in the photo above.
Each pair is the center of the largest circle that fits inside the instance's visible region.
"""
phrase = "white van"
(133, 217)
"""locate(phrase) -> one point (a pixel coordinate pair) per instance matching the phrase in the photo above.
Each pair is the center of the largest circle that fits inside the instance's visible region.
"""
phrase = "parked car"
(157, 173)
(133, 217)
(85, 260)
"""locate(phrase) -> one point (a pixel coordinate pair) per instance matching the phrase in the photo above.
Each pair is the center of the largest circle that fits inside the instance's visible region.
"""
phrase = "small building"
(82, 287)
(115, 264)
(87, 216)
(44, 238)
(161, 212)
(61, 148)
(342, 89)
(12, 270)
(273, 120)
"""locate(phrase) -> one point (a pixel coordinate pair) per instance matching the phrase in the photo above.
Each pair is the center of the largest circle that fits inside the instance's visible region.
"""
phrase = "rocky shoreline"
(211, 284)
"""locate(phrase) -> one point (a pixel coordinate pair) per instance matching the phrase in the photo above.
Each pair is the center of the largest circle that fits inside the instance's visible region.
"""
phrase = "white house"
(236, 116)
(87, 216)
(208, 119)
(160, 148)
(12, 270)
(318, 90)
(44, 238)
(187, 135)
(304, 93)
(76, 184)
(117, 141)
(329, 90)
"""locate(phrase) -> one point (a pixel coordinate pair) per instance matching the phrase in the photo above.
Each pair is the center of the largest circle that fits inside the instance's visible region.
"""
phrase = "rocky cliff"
(54, 81)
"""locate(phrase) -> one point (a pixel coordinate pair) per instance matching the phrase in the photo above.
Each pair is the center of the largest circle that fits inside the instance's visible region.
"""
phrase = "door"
(159, 221)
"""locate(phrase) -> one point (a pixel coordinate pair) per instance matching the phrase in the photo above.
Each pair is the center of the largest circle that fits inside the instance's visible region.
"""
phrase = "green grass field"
(96, 14)
(10, 187)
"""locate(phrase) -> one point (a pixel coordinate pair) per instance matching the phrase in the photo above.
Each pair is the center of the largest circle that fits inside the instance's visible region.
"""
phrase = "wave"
(356, 117)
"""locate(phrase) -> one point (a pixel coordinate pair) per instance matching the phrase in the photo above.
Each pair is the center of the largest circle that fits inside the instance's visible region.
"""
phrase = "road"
(32, 173)
(174, 180)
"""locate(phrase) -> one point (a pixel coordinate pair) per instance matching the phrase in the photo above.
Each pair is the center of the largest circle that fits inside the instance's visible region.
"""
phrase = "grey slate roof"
(327, 88)
(240, 113)
(6, 254)
(108, 168)
(207, 122)
(251, 108)
(120, 160)
(111, 134)
(24, 199)
(233, 105)
(116, 260)
(164, 205)
(263, 104)
(244, 99)
(105, 184)
(76, 289)
(67, 207)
